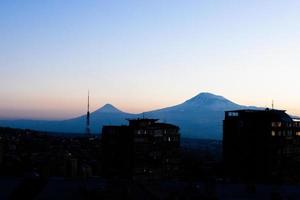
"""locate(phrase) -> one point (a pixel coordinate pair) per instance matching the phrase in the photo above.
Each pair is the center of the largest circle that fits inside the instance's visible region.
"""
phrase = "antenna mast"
(87, 129)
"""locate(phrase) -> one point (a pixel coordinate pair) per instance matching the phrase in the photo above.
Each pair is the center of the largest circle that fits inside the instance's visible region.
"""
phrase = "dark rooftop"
(272, 114)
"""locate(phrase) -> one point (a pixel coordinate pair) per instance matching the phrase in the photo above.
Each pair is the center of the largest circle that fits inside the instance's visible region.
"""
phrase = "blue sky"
(141, 55)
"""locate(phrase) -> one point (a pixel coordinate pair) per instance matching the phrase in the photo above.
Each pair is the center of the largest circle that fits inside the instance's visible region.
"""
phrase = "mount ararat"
(198, 117)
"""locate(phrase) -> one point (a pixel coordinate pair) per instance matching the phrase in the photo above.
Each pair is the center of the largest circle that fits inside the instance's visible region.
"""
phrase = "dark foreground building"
(261, 144)
(145, 149)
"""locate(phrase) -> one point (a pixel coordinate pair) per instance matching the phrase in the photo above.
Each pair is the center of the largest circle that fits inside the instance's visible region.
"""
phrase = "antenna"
(88, 108)
(272, 104)
(87, 129)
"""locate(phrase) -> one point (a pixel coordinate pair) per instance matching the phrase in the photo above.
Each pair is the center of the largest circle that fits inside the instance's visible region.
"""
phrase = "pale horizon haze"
(145, 55)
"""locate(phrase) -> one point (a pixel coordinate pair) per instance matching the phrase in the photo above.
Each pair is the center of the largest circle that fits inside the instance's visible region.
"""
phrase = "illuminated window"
(298, 133)
(276, 124)
(233, 114)
(273, 133)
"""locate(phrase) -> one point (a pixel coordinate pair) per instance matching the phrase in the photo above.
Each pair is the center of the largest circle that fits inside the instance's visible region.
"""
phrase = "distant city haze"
(145, 55)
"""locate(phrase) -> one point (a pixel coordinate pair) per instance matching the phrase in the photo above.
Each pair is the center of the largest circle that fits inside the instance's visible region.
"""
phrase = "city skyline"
(141, 56)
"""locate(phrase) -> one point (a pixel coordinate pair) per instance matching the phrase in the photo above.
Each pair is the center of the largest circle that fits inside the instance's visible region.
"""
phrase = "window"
(273, 133)
(233, 114)
(276, 124)
(283, 133)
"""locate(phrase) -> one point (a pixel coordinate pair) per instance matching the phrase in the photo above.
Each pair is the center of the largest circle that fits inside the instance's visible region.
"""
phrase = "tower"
(87, 129)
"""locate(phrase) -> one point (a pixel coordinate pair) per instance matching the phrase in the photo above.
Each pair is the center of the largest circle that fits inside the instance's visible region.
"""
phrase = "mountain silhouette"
(108, 108)
(198, 117)
(209, 100)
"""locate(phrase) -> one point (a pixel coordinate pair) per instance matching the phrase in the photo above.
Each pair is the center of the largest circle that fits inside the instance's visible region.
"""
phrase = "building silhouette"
(260, 144)
(144, 149)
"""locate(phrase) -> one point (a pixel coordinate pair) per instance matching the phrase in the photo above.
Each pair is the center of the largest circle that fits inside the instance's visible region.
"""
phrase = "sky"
(143, 55)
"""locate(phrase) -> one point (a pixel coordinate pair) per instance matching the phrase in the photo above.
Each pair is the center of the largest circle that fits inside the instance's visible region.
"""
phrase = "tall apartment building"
(260, 144)
(144, 148)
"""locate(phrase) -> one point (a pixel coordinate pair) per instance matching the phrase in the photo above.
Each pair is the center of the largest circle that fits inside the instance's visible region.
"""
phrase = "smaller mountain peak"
(108, 105)
(108, 108)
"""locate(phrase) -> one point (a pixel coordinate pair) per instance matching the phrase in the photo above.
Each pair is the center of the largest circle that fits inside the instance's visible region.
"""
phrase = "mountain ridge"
(198, 117)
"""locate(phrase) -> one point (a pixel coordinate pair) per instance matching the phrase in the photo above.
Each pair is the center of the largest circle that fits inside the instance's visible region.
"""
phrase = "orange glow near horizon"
(61, 108)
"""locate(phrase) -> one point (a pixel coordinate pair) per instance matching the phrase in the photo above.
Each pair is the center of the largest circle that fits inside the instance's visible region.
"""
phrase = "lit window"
(298, 133)
(169, 139)
(273, 133)
(276, 124)
(233, 114)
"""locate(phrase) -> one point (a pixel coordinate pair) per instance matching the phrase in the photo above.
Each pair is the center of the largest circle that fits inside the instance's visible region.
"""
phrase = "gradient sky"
(146, 54)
